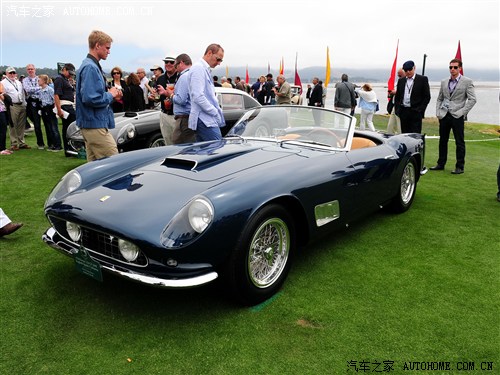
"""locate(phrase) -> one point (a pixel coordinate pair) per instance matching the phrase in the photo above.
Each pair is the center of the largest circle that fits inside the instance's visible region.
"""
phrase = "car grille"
(98, 242)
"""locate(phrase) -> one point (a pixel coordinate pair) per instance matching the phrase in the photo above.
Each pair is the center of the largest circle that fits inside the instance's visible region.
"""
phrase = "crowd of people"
(184, 93)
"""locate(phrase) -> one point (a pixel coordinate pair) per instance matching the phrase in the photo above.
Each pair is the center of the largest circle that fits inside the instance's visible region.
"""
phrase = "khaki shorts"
(99, 143)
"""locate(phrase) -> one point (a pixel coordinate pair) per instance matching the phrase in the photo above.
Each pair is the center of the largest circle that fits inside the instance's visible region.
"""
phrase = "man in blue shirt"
(182, 101)
(206, 116)
(94, 115)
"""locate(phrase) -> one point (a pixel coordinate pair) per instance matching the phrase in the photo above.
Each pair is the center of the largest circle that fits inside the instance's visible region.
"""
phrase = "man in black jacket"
(413, 94)
(316, 95)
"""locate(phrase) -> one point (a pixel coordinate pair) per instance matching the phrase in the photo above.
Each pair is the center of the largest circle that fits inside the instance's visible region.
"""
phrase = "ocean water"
(486, 110)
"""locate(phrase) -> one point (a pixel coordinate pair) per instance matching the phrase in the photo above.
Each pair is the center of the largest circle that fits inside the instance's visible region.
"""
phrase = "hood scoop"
(196, 158)
(177, 163)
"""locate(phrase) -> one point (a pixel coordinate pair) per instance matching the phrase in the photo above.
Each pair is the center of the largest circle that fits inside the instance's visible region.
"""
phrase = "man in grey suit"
(456, 98)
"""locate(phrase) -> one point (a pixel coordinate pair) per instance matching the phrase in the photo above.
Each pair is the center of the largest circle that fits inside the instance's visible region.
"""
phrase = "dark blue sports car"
(237, 209)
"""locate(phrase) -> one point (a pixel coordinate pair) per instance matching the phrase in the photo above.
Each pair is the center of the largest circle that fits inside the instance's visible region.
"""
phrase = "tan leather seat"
(360, 142)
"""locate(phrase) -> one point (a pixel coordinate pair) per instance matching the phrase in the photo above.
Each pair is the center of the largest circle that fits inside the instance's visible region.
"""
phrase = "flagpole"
(423, 65)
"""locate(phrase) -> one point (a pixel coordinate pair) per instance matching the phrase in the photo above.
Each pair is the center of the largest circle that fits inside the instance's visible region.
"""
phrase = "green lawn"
(423, 286)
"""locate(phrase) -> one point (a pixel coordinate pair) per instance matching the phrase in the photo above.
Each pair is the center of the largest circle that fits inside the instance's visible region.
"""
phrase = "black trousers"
(446, 124)
(66, 122)
(411, 120)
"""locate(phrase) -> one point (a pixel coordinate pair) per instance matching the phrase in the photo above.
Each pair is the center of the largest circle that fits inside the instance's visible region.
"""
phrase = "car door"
(370, 181)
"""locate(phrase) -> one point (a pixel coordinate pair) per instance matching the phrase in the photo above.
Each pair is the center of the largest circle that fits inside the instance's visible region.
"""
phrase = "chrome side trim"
(48, 238)
(326, 212)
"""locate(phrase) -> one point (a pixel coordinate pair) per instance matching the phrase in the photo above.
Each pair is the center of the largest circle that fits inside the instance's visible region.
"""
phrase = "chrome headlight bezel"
(189, 223)
(68, 184)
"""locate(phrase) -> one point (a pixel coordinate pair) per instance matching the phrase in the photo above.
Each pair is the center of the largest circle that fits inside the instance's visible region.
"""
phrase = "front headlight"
(69, 183)
(192, 220)
(200, 214)
(74, 231)
(128, 250)
(126, 133)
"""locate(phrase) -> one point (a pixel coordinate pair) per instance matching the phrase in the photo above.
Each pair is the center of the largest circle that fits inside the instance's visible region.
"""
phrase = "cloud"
(360, 34)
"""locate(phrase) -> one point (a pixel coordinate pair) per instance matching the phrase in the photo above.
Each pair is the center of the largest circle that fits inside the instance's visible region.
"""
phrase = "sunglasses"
(115, 73)
(169, 62)
(454, 67)
(12, 73)
(218, 59)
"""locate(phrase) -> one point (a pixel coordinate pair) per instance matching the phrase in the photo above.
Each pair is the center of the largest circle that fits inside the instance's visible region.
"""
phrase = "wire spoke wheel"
(408, 182)
(268, 252)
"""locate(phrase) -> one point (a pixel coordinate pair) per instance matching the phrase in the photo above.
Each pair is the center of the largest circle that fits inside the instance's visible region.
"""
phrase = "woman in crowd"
(119, 83)
(368, 104)
(133, 94)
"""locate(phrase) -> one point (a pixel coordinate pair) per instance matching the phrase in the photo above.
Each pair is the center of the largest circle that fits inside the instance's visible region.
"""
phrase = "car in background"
(138, 130)
(237, 209)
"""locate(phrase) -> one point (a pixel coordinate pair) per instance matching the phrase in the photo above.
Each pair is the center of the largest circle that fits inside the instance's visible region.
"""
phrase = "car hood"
(140, 201)
(215, 160)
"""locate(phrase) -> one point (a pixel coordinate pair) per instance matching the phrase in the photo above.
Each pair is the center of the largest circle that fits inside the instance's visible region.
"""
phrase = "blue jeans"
(204, 133)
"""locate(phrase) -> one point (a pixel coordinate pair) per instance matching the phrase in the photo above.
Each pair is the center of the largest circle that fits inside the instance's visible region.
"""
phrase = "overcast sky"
(360, 34)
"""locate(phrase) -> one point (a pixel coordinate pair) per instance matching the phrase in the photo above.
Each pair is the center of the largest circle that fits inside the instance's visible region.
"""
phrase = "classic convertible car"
(236, 209)
(137, 130)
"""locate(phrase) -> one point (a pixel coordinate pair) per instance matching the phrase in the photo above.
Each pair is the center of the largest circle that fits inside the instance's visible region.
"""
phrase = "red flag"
(282, 66)
(247, 77)
(459, 56)
(392, 78)
(297, 78)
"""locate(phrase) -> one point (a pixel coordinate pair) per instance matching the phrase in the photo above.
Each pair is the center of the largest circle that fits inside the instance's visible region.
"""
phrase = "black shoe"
(437, 168)
(457, 171)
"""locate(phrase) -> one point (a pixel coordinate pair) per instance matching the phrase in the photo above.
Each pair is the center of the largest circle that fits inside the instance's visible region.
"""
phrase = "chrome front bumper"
(65, 248)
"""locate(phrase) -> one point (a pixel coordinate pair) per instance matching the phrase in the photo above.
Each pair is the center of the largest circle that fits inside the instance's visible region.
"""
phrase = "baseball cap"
(70, 68)
(10, 69)
(156, 67)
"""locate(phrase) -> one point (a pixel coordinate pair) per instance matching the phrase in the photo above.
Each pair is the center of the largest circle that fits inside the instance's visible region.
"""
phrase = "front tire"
(261, 261)
(156, 140)
(407, 188)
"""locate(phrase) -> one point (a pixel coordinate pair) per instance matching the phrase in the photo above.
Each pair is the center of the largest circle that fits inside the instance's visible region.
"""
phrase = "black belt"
(180, 116)
(17, 103)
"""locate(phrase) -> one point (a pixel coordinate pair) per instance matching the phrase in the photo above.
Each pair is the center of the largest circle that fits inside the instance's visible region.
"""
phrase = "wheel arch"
(296, 211)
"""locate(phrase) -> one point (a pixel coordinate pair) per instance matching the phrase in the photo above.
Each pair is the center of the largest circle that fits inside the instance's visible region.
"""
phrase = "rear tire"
(261, 261)
(407, 188)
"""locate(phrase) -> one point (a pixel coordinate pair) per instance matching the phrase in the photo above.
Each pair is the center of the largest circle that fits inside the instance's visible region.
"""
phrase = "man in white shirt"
(14, 89)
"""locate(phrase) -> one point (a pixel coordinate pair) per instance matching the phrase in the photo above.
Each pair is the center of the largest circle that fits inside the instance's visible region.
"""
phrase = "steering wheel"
(326, 136)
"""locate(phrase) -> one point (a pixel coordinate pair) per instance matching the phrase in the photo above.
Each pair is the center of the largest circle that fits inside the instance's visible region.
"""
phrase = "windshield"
(312, 125)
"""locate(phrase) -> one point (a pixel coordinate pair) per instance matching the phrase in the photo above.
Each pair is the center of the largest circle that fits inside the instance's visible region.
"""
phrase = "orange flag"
(328, 69)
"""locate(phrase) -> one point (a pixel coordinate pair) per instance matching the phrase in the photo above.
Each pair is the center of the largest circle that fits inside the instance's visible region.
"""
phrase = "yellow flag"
(327, 79)
(227, 71)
